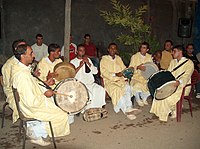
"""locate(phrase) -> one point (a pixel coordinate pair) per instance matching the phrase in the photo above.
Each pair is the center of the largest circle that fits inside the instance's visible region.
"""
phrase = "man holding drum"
(162, 108)
(138, 82)
(46, 65)
(35, 101)
(116, 85)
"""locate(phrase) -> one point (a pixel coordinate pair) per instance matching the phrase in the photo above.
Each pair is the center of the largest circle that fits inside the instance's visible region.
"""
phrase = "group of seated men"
(37, 102)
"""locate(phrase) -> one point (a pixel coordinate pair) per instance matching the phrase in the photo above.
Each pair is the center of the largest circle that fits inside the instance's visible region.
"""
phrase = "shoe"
(173, 114)
(145, 102)
(133, 111)
(140, 103)
(198, 95)
(131, 117)
(40, 142)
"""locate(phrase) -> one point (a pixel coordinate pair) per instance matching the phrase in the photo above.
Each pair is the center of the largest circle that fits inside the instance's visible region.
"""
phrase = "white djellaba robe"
(40, 51)
(96, 92)
(36, 127)
(138, 82)
(45, 66)
(7, 86)
(34, 104)
(118, 89)
(162, 108)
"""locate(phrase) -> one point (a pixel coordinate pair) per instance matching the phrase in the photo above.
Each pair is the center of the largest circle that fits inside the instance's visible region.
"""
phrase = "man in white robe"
(96, 92)
(7, 86)
(138, 82)
(116, 85)
(34, 102)
(162, 108)
(47, 64)
(46, 67)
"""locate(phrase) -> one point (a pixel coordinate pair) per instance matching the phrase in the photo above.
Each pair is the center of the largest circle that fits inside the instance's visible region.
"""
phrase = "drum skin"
(72, 96)
(159, 83)
(64, 70)
(150, 69)
(128, 72)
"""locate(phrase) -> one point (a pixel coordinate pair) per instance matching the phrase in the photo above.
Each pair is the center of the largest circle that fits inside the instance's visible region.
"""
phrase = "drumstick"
(63, 94)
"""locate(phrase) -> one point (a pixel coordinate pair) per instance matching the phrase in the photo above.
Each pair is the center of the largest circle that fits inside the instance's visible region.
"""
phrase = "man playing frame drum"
(35, 102)
(162, 108)
(47, 64)
(138, 82)
(117, 87)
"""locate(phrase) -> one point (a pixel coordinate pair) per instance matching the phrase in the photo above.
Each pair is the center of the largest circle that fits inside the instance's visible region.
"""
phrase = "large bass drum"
(71, 96)
(161, 85)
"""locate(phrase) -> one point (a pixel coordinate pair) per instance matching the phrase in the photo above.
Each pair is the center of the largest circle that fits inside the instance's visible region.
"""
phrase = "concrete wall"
(26, 18)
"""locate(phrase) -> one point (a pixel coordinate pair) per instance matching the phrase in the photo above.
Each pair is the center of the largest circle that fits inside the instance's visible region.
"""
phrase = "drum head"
(72, 96)
(151, 68)
(128, 72)
(165, 90)
(64, 70)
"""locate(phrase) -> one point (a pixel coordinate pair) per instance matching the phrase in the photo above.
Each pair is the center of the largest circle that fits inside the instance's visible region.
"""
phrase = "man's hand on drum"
(177, 83)
(141, 67)
(49, 93)
(51, 75)
(119, 74)
(37, 72)
(50, 81)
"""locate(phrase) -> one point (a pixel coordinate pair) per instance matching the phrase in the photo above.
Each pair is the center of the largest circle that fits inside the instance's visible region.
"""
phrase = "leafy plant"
(133, 28)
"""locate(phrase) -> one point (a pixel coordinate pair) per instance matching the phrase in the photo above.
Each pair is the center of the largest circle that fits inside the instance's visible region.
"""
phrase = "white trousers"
(125, 102)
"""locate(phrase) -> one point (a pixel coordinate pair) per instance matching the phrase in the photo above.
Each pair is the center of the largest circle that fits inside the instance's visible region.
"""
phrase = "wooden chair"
(23, 120)
(4, 105)
(194, 79)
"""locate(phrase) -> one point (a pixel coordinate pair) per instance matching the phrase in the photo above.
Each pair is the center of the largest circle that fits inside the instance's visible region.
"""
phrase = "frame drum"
(64, 70)
(151, 68)
(71, 96)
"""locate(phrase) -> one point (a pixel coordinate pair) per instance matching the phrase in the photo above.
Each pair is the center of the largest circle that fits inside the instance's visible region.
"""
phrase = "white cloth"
(34, 104)
(39, 51)
(7, 86)
(125, 102)
(36, 129)
(96, 92)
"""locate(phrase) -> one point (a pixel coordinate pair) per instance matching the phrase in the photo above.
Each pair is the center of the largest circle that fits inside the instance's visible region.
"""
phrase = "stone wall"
(25, 18)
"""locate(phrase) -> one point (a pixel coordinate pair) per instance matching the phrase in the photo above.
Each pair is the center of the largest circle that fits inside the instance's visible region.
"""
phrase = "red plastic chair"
(194, 79)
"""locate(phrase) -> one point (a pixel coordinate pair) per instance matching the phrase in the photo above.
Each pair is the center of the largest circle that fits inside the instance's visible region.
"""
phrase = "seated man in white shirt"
(39, 48)
(85, 75)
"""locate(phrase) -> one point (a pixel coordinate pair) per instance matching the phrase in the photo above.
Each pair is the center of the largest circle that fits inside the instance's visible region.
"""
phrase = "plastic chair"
(194, 79)
(4, 105)
(23, 120)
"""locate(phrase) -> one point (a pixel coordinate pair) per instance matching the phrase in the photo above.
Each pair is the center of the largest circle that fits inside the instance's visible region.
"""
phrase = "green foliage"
(133, 28)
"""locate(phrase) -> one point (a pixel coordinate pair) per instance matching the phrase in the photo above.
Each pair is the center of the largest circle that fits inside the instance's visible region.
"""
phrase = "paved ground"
(117, 132)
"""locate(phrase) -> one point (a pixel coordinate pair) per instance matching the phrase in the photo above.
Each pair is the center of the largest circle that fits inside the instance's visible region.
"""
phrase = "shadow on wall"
(3, 59)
